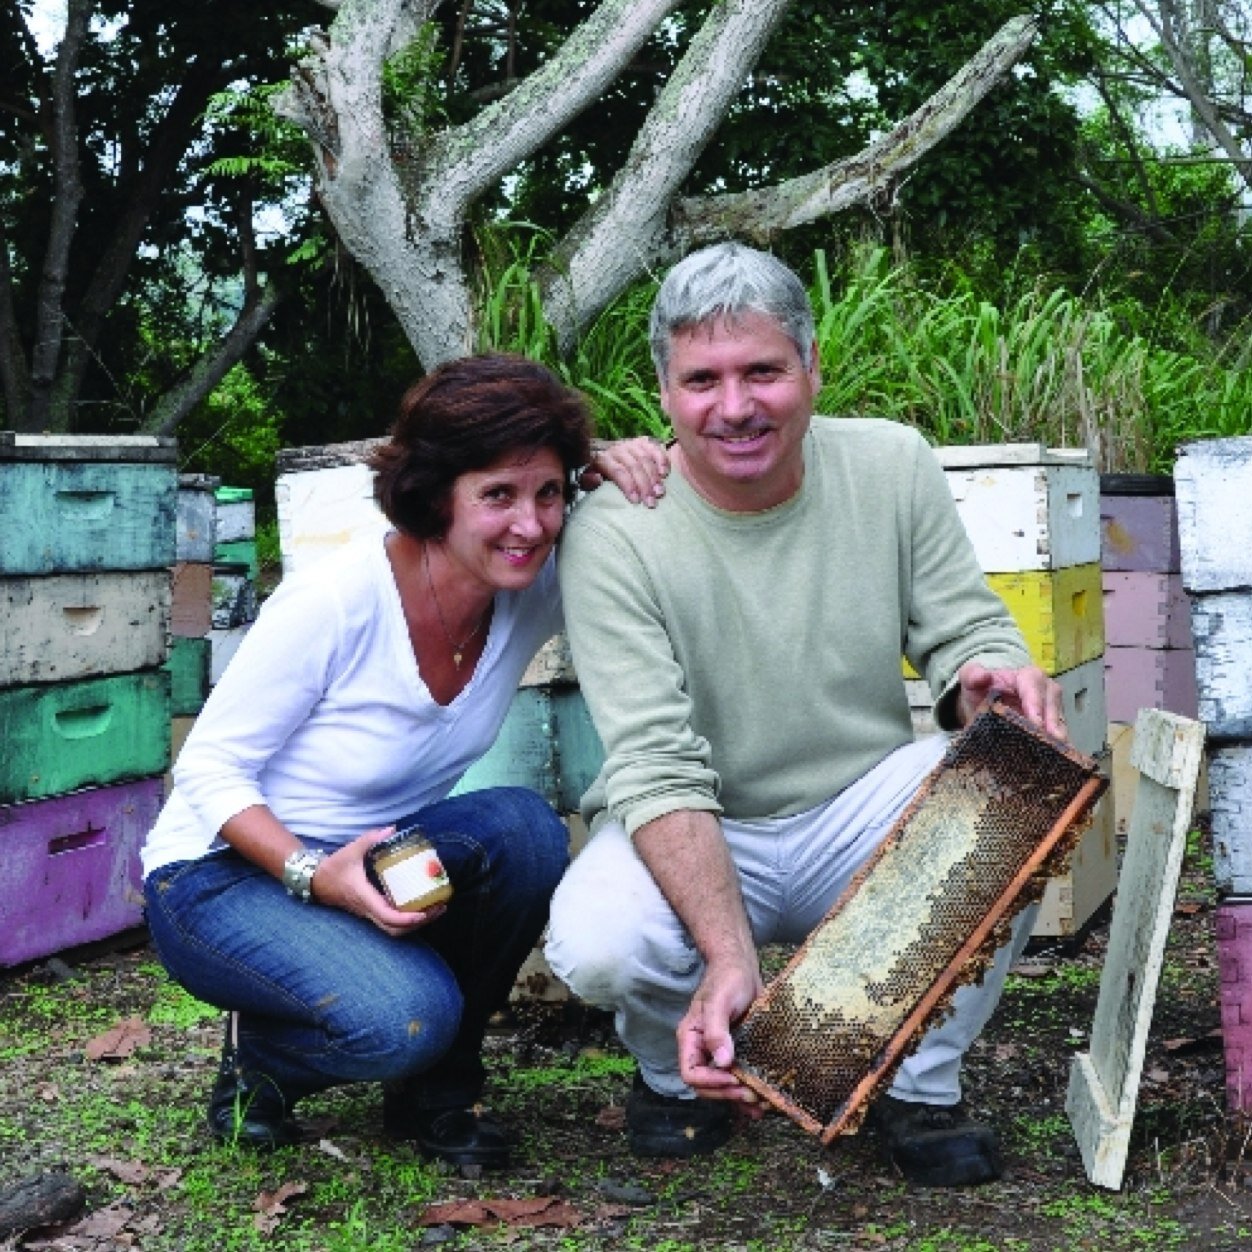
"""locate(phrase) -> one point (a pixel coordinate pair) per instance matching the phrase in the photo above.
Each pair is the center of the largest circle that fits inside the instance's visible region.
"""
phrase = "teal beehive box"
(189, 666)
(86, 502)
(62, 736)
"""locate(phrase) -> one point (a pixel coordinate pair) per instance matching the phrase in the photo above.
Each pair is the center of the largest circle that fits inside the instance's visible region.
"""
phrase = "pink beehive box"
(69, 867)
(1149, 678)
(1145, 610)
(1234, 963)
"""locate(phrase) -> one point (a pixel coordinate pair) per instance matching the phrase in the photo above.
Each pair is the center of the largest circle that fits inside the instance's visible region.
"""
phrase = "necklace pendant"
(456, 659)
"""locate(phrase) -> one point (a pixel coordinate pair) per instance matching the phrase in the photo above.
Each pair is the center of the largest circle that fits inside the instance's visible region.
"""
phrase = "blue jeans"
(326, 998)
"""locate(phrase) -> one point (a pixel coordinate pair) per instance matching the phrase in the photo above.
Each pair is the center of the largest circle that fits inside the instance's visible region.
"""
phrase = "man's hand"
(705, 1046)
(637, 466)
(1029, 690)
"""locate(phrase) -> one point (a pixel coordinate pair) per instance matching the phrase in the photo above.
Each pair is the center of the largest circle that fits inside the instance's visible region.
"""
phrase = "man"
(739, 647)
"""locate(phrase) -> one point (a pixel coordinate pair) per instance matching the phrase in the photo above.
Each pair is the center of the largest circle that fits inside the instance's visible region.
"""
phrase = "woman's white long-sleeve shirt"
(323, 716)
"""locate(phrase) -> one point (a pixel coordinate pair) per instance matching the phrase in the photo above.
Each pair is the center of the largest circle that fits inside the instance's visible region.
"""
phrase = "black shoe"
(658, 1125)
(936, 1145)
(462, 1136)
(248, 1109)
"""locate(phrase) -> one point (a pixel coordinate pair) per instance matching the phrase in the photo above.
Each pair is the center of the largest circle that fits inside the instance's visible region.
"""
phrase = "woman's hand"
(340, 881)
(636, 466)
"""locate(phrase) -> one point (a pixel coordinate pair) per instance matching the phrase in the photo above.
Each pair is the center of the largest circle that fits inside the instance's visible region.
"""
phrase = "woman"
(364, 690)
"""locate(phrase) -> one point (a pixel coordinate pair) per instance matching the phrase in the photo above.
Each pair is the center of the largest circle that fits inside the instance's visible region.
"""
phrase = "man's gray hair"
(721, 284)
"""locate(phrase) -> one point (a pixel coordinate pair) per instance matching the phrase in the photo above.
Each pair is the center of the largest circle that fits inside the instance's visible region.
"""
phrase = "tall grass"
(1044, 366)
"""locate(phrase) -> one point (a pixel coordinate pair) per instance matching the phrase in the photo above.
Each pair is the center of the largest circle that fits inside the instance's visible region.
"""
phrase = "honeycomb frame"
(922, 916)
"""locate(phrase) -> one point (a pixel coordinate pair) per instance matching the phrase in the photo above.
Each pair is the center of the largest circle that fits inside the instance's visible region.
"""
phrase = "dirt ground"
(127, 1126)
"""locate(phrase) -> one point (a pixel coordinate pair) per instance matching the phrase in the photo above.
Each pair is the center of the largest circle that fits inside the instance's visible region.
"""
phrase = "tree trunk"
(401, 202)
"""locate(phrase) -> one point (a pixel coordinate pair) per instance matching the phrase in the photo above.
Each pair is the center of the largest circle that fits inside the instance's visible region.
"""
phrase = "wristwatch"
(298, 871)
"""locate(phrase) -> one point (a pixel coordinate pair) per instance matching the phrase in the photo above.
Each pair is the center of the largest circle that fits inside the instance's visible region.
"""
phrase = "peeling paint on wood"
(1222, 625)
(1213, 481)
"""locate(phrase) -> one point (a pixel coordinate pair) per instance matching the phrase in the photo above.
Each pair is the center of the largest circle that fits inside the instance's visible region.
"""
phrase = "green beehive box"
(86, 503)
(63, 736)
(238, 552)
(188, 665)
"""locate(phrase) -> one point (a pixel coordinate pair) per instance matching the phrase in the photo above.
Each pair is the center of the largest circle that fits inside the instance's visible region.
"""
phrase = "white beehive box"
(325, 498)
(1026, 507)
(1213, 486)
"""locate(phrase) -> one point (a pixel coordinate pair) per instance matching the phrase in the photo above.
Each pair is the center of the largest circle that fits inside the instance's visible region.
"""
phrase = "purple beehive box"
(69, 867)
(1138, 523)
(1149, 678)
(1234, 964)
(1146, 610)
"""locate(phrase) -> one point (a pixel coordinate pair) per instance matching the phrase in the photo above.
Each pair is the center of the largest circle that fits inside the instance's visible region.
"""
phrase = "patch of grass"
(587, 1066)
(1040, 1136)
(176, 1007)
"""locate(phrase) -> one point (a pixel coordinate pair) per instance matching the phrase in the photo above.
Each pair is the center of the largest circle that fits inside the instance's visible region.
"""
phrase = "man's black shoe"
(464, 1136)
(667, 1126)
(936, 1145)
(248, 1110)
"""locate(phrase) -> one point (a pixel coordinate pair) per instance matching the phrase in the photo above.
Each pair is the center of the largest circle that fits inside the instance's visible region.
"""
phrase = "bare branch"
(13, 371)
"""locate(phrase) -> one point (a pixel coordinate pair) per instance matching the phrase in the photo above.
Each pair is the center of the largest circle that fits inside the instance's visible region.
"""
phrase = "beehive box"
(1230, 799)
(1149, 678)
(68, 626)
(1138, 523)
(1082, 696)
(191, 608)
(70, 869)
(63, 736)
(1026, 507)
(1071, 900)
(196, 530)
(1221, 623)
(69, 504)
(1059, 612)
(325, 498)
(189, 666)
(233, 597)
(1234, 964)
(235, 515)
(1146, 610)
(1213, 483)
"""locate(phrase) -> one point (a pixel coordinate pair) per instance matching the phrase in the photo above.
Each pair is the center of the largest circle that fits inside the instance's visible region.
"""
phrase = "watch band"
(298, 871)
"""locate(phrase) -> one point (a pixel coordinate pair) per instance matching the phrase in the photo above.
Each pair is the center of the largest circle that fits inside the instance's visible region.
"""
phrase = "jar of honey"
(406, 868)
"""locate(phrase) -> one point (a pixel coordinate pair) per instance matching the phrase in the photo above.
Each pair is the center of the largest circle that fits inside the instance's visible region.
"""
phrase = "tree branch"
(210, 369)
(13, 371)
(855, 180)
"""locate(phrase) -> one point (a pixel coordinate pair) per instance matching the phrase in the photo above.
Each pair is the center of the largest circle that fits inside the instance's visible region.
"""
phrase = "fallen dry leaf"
(103, 1223)
(332, 1149)
(120, 1041)
(124, 1171)
(271, 1206)
(539, 1211)
(1185, 1045)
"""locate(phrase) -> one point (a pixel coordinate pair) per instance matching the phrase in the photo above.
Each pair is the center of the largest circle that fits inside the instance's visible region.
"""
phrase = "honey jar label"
(414, 876)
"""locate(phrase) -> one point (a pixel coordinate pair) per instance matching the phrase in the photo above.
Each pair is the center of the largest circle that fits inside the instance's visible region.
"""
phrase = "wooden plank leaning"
(1104, 1083)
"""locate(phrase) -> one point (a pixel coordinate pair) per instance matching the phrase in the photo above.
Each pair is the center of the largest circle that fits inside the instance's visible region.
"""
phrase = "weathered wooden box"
(1072, 899)
(1139, 523)
(240, 552)
(235, 517)
(1213, 482)
(189, 665)
(1026, 507)
(68, 626)
(1230, 811)
(64, 736)
(196, 531)
(1082, 694)
(1149, 678)
(1234, 964)
(325, 497)
(233, 597)
(80, 504)
(191, 610)
(1146, 610)
(1222, 625)
(547, 743)
(70, 867)
(1060, 612)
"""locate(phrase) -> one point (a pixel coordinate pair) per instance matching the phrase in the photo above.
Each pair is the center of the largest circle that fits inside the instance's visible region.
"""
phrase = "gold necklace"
(458, 649)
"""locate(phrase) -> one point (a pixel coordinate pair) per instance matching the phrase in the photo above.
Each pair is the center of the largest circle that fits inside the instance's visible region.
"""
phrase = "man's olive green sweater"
(750, 663)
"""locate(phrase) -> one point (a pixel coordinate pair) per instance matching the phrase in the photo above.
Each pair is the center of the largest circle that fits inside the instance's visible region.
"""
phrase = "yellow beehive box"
(1061, 613)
